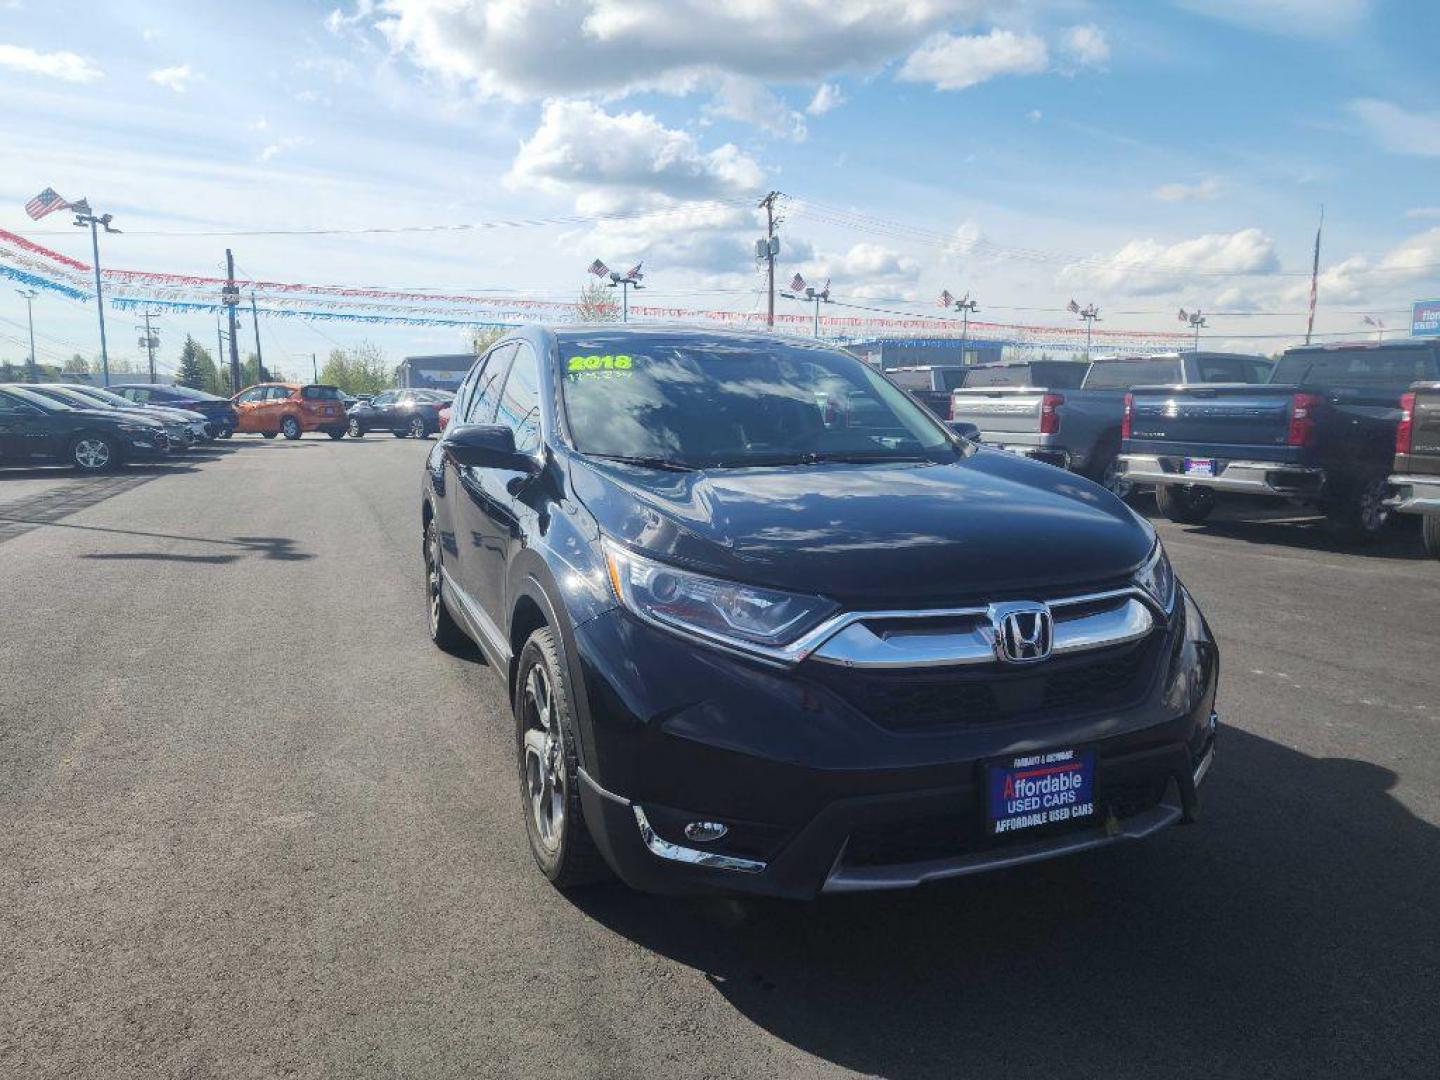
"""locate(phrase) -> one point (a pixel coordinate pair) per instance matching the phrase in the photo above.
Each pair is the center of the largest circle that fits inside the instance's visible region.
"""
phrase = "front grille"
(992, 694)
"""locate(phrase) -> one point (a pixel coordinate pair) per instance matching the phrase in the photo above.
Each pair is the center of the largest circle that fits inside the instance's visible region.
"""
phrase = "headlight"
(1157, 577)
(738, 614)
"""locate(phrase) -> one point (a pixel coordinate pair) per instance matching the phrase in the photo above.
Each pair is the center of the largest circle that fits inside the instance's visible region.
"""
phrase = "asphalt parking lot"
(255, 826)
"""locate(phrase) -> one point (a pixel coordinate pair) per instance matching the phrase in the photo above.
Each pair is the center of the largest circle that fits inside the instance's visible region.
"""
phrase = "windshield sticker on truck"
(580, 367)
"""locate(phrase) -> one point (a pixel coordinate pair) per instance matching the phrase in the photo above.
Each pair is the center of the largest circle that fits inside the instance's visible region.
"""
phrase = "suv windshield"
(698, 402)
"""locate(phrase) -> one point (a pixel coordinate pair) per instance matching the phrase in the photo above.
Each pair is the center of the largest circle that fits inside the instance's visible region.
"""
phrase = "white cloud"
(1147, 266)
(1397, 129)
(258, 124)
(955, 61)
(1423, 212)
(1201, 191)
(283, 145)
(67, 66)
(1034, 116)
(1086, 45)
(745, 99)
(1304, 18)
(527, 49)
(173, 78)
(579, 147)
(827, 96)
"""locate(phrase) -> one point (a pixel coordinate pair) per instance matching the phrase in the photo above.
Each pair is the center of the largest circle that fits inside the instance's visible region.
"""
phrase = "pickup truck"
(1069, 414)
(931, 384)
(1322, 433)
(1416, 479)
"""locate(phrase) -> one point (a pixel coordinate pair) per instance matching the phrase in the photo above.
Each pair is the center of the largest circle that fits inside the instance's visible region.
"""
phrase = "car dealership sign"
(1425, 319)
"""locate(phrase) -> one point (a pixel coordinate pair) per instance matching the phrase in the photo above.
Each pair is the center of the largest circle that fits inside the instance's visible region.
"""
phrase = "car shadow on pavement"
(1291, 932)
(77, 492)
(280, 548)
(1298, 529)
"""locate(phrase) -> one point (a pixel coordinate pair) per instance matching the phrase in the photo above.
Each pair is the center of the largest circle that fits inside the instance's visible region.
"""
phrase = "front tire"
(545, 744)
(224, 432)
(417, 427)
(1185, 506)
(93, 454)
(355, 428)
(400, 433)
(290, 428)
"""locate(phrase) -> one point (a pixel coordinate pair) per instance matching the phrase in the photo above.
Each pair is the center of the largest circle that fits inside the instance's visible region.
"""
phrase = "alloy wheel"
(417, 428)
(432, 574)
(354, 428)
(1373, 511)
(92, 453)
(544, 749)
(1114, 480)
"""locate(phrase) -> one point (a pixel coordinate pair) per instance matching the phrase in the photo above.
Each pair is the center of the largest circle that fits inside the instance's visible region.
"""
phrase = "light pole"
(85, 216)
(816, 297)
(32, 371)
(1091, 314)
(626, 282)
(1197, 321)
(965, 306)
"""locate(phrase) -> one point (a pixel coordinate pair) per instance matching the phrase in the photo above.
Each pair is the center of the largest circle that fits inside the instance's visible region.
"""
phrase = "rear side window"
(954, 380)
(320, 393)
(136, 394)
(486, 399)
(1123, 374)
(911, 380)
(1374, 367)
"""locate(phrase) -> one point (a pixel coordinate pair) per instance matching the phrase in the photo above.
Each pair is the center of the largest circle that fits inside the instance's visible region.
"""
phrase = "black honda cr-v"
(767, 626)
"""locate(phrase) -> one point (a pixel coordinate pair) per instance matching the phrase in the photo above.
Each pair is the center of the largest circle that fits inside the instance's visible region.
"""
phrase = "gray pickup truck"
(1321, 433)
(931, 384)
(1416, 477)
(1070, 414)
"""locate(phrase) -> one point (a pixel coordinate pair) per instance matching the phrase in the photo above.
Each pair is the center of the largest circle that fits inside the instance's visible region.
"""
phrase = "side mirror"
(964, 429)
(486, 446)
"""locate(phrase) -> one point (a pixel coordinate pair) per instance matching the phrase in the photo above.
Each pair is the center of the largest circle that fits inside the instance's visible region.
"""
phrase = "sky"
(1142, 156)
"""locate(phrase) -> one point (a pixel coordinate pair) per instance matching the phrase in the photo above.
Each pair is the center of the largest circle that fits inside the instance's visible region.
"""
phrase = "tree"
(77, 364)
(252, 371)
(597, 304)
(360, 369)
(482, 337)
(191, 373)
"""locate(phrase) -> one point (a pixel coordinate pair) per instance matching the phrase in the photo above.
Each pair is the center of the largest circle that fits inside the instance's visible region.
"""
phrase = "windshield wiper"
(645, 462)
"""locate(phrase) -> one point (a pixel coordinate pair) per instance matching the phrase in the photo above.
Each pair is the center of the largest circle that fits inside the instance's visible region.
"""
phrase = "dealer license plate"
(1032, 790)
(1199, 466)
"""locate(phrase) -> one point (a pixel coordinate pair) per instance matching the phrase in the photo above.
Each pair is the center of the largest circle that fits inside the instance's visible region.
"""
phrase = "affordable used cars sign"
(1425, 319)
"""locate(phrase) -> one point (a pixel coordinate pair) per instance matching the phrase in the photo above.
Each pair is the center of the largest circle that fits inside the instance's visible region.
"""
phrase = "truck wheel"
(1185, 505)
(1106, 472)
(1359, 515)
(1430, 534)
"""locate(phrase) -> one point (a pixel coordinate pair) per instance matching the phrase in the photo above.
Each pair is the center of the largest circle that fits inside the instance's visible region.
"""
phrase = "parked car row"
(40, 426)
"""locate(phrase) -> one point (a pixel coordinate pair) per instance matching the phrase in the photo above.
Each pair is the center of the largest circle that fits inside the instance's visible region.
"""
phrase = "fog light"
(703, 832)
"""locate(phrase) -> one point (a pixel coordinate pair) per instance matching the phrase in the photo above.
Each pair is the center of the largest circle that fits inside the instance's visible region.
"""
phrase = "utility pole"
(219, 341)
(32, 371)
(1315, 276)
(85, 216)
(767, 249)
(149, 342)
(314, 368)
(230, 297)
(965, 306)
(255, 319)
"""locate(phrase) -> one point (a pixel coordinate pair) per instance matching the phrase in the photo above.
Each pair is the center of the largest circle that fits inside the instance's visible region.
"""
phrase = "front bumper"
(145, 445)
(1415, 494)
(1241, 477)
(819, 797)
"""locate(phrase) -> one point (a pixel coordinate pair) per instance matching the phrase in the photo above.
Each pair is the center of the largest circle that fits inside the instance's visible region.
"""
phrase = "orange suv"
(290, 409)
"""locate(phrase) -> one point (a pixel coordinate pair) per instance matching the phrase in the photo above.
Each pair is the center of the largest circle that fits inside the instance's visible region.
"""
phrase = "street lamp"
(625, 282)
(810, 295)
(1091, 314)
(965, 306)
(85, 216)
(1196, 321)
(33, 371)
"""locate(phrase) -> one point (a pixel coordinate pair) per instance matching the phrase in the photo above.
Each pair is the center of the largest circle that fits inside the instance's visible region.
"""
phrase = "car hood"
(877, 535)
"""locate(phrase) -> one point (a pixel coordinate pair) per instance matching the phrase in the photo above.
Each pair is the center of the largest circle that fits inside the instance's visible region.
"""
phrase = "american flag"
(1184, 315)
(634, 273)
(1073, 307)
(797, 284)
(945, 299)
(599, 269)
(47, 202)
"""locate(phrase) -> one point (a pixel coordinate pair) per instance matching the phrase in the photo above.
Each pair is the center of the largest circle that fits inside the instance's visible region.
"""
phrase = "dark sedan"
(407, 413)
(37, 430)
(218, 412)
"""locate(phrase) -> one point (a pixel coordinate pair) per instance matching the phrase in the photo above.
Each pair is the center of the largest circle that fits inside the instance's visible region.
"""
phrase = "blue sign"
(1041, 789)
(1425, 319)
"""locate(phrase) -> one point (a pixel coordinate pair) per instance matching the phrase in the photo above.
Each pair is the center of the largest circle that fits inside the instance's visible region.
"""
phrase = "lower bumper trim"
(675, 853)
(845, 879)
(1252, 477)
(1416, 494)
